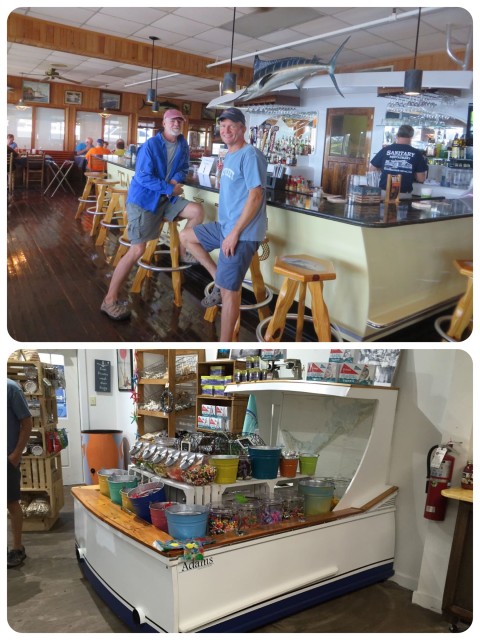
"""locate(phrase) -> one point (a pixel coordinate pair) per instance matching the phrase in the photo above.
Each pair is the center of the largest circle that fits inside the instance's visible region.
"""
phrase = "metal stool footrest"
(92, 211)
(89, 200)
(151, 267)
(125, 243)
(294, 316)
(438, 328)
(113, 224)
(246, 307)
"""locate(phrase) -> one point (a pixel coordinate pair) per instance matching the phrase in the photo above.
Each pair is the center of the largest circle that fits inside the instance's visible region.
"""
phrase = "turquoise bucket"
(118, 482)
(265, 461)
(187, 520)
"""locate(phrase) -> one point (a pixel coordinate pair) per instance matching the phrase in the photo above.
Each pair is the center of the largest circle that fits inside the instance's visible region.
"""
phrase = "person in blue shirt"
(82, 147)
(19, 427)
(242, 221)
(153, 196)
(11, 141)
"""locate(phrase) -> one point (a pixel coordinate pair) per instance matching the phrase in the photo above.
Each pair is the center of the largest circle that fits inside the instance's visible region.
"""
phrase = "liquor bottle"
(455, 147)
(467, 476)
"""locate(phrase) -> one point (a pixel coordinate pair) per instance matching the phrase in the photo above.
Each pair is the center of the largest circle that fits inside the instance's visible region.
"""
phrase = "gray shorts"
(231, 270)
(144, 225)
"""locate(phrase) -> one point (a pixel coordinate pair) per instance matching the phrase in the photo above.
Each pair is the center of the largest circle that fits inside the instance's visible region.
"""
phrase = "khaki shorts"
(144, 225)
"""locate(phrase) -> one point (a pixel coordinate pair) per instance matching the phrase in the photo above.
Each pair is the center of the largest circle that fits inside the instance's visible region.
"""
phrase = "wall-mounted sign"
(103, 377)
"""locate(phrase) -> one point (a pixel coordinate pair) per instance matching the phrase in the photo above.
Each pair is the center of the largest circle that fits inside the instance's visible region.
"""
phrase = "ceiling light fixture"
(156, 104)
(412, 85)
(151, 94)
(230, 79)
(104, 113)
(21, 106)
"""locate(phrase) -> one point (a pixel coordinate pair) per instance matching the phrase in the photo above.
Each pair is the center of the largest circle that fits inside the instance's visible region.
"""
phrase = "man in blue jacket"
(153, 196)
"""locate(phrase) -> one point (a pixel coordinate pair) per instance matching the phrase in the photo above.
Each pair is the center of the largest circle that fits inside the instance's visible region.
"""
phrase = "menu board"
(103, 378)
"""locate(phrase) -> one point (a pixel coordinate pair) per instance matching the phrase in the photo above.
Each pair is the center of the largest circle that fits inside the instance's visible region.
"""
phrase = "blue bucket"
(143, 495)
(187, 520)
(265, 461)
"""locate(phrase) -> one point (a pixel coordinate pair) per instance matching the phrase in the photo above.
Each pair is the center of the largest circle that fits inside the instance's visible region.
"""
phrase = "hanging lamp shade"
(151, 93)
(156, 107)
(21, 106)
(230, 79)
(104, 114)
(229, 83)
(412, 83)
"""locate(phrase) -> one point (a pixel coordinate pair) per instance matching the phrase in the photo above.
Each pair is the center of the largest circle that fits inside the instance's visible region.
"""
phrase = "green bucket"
(118, 482)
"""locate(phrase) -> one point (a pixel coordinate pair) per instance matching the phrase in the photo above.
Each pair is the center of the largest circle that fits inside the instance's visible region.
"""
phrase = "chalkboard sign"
(103, 379)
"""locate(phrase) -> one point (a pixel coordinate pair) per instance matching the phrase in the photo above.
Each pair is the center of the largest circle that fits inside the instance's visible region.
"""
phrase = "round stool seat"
(94, 174)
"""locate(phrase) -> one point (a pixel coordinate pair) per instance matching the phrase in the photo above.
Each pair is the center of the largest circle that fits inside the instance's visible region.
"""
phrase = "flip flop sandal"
(115, 310)
(213, 299)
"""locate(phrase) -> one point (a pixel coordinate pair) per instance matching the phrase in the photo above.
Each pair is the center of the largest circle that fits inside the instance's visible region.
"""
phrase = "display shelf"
(177, 374)
(237, 405)
(41, 475)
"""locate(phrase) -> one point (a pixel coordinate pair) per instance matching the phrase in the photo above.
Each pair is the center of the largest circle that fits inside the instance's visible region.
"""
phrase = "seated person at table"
(93, 163)
(119, 147)
(82, 147)
(11, 141)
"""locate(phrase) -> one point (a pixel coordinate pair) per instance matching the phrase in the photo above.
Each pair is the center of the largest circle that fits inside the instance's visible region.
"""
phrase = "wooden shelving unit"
(236, 403)
(175, 379)
(41, 474)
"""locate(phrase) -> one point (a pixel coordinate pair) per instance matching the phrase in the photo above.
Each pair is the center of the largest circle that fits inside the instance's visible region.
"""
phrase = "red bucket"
(157, 513)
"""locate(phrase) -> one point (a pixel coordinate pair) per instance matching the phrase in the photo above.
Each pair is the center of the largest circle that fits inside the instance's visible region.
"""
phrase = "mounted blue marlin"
(271, 74)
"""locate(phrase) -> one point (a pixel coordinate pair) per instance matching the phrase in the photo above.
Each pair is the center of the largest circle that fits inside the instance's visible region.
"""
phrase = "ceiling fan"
(52, 74)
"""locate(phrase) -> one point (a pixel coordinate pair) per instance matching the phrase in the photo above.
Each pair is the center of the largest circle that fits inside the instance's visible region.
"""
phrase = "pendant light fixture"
(412, 85)
(151, 94)
(156, 104)
(21, 106)
(104, 113)
(230, 79)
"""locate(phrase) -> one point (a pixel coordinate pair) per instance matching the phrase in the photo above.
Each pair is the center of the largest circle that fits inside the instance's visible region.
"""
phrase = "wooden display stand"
(41, 475)
(169, 381)
(237, 404)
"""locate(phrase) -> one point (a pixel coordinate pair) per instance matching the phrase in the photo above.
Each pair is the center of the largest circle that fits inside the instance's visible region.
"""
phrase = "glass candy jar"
(270, 512)
(248, 516)
(222, 518)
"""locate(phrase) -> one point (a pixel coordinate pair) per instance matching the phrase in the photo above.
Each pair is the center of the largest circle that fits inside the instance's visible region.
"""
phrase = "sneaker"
(188, 258)
(115, 310)
(15, 557)
(213, 299)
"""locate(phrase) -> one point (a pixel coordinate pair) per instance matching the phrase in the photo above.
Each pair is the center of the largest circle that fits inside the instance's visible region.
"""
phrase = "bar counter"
(394, 263)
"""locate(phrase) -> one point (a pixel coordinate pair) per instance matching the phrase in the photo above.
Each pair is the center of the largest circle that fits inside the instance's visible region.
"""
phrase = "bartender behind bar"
(401, 158)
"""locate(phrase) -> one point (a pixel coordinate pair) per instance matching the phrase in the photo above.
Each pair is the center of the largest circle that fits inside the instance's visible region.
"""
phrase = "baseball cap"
(99, 141)
(172, 113)
(232, 113)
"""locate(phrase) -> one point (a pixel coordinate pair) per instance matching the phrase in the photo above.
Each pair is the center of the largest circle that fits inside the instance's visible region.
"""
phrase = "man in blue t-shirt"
(242, 221)
(401, 158)
(19, 427)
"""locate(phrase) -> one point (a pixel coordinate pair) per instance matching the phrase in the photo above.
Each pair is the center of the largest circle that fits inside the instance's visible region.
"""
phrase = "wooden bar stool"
(115, 214)
(146, 266)
(263, 295)
(462, 317)
(103, 198)
(300, 271)
(87, 197)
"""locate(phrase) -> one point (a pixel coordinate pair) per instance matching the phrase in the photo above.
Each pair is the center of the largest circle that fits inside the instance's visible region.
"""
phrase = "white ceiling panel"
(206, 31)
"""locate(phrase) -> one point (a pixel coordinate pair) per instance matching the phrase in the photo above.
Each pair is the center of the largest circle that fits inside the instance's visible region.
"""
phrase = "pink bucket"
(157, 513)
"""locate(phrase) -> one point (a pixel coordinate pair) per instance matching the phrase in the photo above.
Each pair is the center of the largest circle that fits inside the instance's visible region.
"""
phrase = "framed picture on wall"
(124, 369)
(35, 91)
(111, 101)
(208, 114)
(223, 354)
(73, 97)
(186, 108)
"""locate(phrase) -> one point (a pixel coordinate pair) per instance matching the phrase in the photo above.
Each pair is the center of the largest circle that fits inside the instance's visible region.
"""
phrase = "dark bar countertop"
(381, 215)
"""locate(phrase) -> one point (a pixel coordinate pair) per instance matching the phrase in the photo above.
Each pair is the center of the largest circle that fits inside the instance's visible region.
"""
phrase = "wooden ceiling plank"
(41, 33)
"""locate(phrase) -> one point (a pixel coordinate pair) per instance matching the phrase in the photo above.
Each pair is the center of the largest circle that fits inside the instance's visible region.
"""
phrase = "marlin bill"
(272, 74)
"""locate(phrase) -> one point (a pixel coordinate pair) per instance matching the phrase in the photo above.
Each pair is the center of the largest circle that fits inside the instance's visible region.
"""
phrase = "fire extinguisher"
(440, 464)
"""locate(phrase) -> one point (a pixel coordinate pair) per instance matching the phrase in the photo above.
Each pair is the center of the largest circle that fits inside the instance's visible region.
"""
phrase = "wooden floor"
(57, 279)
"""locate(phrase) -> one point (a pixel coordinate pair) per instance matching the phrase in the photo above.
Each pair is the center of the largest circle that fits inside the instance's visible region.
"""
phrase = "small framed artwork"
(110, 100)
(35, 91)
(241, 354)
(186, 106)
(208, 114)
(384, 361)
(73, 97)
(223, 354)
(124, 369)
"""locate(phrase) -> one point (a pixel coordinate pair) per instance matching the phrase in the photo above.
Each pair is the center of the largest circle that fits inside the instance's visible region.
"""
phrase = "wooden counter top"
(457, 493)
(145, 533)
